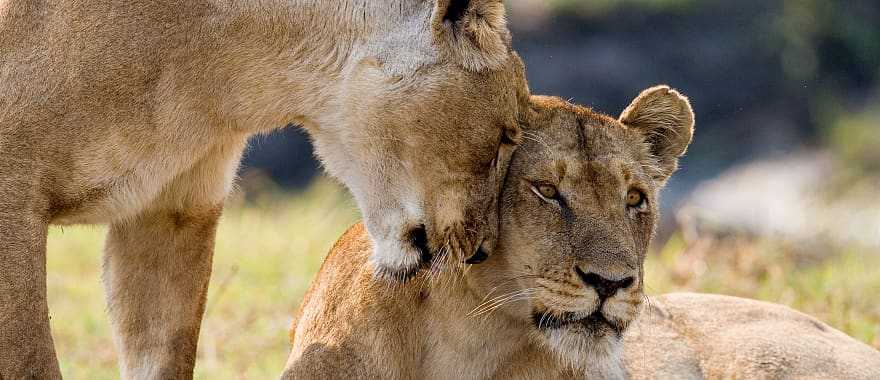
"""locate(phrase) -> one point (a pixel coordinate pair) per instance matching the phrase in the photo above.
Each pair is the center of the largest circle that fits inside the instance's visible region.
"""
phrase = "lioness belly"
(98, 205)
(114, 184)
(115, 195)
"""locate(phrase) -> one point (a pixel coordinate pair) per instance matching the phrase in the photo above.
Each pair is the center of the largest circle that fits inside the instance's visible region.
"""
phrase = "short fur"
(529, 310)
(135, 114)
(697, 336)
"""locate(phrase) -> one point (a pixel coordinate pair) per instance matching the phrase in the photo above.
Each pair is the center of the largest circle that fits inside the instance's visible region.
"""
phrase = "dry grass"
(268, 251)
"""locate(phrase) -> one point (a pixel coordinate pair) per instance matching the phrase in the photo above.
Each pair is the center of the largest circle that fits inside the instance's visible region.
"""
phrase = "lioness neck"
(466, 338)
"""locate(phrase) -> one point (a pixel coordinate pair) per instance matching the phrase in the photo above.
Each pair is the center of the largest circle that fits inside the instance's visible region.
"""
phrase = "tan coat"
(707, 336)
(490, 320)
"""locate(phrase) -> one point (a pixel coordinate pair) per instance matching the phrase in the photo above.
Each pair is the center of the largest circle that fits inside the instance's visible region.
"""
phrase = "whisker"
(496, 302)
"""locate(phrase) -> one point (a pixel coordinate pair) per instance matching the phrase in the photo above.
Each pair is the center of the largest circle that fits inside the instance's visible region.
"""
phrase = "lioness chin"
(578, 210)
(135, 114)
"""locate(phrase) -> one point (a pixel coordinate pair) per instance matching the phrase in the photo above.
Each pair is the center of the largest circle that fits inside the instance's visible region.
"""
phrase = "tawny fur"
(483, 321)
(135, 114)
(705, 336)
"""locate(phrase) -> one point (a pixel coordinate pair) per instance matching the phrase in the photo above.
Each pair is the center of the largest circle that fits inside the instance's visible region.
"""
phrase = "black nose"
(604, 287)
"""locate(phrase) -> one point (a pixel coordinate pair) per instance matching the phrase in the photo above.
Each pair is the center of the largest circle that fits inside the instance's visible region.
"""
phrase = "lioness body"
(135, 114)
(696, 336)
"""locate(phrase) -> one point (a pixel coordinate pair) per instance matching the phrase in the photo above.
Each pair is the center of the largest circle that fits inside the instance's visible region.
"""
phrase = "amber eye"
(548, 191)
(635, 198)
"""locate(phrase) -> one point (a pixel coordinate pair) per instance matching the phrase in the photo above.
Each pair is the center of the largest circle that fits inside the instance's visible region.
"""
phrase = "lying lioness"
(555, 300)
(578, 209)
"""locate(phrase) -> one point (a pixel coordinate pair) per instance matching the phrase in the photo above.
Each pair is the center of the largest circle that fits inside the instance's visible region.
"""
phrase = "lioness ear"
(472, 32)
(666, 120)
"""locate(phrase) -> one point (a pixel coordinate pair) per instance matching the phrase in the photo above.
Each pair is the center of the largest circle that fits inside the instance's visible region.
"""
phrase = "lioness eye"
(635, 198)
(547, 191)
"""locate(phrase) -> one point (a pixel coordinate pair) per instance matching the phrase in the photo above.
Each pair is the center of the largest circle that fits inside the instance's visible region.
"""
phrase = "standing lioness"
(135, 113)
(578, 209)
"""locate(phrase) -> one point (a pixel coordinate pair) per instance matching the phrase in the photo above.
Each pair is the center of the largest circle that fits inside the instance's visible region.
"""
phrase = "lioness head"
(437, 105)
(578, 209)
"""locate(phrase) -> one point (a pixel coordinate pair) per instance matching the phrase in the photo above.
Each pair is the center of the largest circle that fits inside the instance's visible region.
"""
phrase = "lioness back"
(136, 114)
(688, 335)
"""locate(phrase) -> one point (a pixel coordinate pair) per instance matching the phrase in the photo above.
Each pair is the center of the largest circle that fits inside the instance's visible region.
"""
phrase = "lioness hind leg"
(26, 347)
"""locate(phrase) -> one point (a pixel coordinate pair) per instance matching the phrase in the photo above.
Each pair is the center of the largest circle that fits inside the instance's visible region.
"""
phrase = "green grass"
(268, 250)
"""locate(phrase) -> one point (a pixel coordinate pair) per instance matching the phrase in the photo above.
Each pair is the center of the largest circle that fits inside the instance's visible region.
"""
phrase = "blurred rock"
(797, 198)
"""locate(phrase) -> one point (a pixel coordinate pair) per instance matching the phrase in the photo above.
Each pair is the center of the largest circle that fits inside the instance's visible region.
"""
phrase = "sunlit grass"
(268, 250)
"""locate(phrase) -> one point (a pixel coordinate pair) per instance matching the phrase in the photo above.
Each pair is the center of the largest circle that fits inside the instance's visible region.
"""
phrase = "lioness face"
(578, 210)
(439, 138)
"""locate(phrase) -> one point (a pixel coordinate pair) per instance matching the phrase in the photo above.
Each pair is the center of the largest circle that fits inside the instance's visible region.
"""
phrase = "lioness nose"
(604, 287)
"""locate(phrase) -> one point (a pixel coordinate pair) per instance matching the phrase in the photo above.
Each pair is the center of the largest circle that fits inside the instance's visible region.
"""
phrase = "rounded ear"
(666, 120)
(472, 32)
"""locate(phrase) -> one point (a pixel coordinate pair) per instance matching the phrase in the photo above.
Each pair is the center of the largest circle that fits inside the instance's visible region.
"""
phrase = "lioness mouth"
(595, 323)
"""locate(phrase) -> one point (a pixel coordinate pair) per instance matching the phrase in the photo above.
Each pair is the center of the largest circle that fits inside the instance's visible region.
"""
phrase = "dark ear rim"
(456, 10)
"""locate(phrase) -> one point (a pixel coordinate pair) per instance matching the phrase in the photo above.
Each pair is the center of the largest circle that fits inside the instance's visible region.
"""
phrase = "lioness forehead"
(575, 141)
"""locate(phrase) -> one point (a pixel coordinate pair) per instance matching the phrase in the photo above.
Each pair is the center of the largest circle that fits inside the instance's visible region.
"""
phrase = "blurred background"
(776, 198)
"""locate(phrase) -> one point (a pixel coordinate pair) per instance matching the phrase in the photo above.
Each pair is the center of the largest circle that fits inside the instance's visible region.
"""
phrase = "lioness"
(135, 113)
(539, 308)
(578, 209)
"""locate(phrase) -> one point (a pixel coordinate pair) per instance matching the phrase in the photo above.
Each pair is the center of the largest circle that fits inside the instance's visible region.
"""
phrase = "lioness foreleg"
(156, 272)
(157, 266)
(26, 347)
